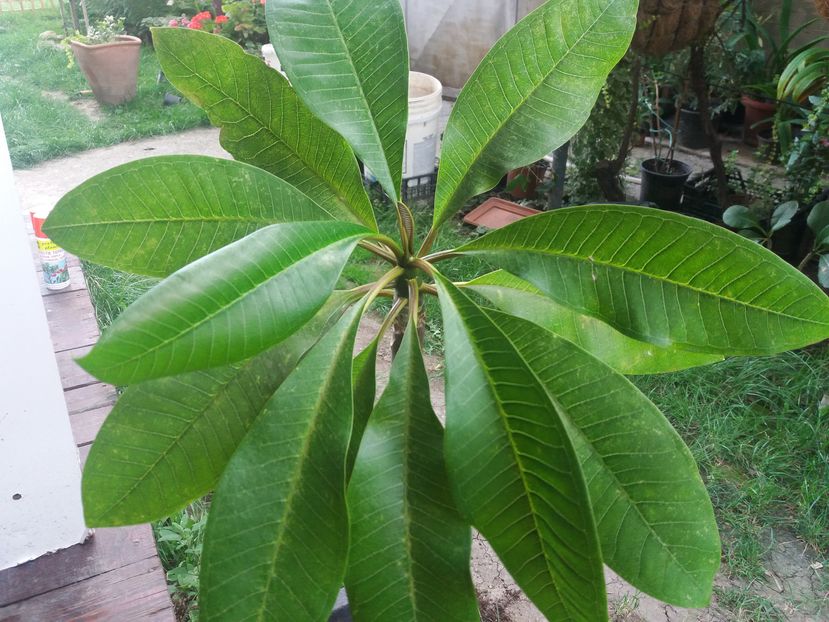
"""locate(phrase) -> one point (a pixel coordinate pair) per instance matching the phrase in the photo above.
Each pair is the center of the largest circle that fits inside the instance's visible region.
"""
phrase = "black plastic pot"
(663, 187)
(789, 242)
(691, 130)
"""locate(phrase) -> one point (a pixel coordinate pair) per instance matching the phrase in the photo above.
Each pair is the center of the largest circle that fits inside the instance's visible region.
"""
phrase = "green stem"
(388, 278)
(806, 261)
(440, 256)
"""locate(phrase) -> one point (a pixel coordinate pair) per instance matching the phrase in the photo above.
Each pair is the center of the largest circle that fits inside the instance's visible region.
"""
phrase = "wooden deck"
(116, 575)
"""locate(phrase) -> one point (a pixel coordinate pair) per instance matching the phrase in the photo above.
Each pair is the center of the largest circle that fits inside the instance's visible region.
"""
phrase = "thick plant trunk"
(607, 171)
(700, 87)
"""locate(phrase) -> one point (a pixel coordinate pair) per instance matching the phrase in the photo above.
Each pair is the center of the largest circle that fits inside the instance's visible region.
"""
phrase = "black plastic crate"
(420, 188)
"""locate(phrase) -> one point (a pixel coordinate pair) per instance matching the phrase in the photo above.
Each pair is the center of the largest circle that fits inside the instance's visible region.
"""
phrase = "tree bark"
(698, 83)
(607, 171)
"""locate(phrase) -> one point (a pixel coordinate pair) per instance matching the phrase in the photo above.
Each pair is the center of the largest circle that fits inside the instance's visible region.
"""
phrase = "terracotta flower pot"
(110, 68)
(759, 116)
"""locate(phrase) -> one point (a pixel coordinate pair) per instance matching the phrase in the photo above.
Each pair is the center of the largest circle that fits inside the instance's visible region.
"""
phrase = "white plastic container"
(423, 131)
(52, 256)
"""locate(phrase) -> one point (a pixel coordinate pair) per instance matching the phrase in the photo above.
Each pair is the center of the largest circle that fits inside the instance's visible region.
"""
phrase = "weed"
(179, 541)
(747, 606)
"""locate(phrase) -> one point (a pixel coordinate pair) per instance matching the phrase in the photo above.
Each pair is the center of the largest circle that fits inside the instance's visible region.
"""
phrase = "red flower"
(195, 24)
(173, 23)
(203, 15)
(221, 19)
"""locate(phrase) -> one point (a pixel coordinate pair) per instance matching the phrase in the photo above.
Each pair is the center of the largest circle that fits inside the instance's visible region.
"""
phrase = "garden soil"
(792, 584)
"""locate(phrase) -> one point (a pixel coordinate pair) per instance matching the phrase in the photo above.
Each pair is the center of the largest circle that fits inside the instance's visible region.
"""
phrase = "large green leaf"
(626, 355)
(277, 536)
(263, 121)
(655, 520)
(167, 441)
(349, 61)
(228, 306)
(157, 215)
(514, 471)
(365, 390)
(531, 93)
(663, 278)
(409, 553)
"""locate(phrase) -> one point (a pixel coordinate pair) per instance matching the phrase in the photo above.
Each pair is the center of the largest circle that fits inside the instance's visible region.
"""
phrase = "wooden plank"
(72, 320)
(136, 591)
(90, 397)
(105, 551)
(85, 425)
(73, 375)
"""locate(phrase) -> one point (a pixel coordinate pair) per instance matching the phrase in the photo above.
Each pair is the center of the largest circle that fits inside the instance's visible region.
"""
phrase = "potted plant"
(109, 60)
(763, 60)
(818, 222)
(780, 230)
(663, 177)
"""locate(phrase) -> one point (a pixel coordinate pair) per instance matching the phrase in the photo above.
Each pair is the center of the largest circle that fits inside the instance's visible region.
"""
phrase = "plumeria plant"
(240, 369)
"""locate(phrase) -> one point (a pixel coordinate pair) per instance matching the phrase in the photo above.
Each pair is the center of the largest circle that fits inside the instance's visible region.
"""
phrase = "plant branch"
(428, 242)
(440, 256)
(396, 309)
(392, 245)
(379, 251)
(384, 281)
(806, 261)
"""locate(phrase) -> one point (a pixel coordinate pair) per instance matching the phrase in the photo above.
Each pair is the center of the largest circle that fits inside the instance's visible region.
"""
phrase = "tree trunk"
(700, 87)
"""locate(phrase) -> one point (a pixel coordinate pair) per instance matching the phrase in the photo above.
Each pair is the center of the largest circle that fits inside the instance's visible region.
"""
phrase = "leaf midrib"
(297, 475)
(195, 325)
(621, 268)
(519, 464)
(277, 139)
(361, 91)
(556, 405)
(508, 118)
(215, 396)
(569, 424)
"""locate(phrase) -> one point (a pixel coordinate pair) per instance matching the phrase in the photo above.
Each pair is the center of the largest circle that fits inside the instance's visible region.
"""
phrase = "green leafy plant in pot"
(663, 176)
(240, 368)
(818, 221)
(109, 60)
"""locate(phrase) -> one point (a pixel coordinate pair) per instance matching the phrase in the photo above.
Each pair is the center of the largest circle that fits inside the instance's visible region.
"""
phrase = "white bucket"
(423, 131)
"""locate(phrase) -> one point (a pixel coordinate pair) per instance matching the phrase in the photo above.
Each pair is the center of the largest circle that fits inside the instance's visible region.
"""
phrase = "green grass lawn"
(37, 90)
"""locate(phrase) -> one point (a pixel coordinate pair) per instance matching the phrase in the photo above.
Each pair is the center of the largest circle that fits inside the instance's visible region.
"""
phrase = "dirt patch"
(86, 105)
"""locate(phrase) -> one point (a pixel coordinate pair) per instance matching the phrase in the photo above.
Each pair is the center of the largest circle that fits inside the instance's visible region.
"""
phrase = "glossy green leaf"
(228, 306)
(409, 552)
(663, 278)
(167, 441)
(818, 218)
(628, 356)
(532, 92)
(514, 471)
(277, 536)
(365, 391)
(262, 119)
(655, 521)
(349, 61)
(741, 217)
(783, 215)
(823, 271)
(157, 215)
